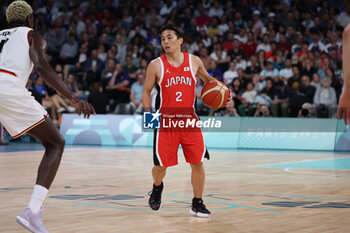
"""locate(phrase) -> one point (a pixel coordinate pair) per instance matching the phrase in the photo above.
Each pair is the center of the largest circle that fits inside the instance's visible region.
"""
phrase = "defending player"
(21, 48)
(176, 96)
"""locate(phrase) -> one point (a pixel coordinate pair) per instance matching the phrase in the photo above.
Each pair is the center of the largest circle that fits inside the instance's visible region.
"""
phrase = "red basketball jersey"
(175, 101)
(176, 87)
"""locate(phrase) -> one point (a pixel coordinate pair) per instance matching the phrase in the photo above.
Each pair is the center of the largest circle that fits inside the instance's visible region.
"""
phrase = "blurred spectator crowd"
(279, 58)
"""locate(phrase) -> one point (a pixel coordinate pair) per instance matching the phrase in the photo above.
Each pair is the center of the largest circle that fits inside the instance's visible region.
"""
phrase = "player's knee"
(61, 142)
(55, 143)
(197, 165)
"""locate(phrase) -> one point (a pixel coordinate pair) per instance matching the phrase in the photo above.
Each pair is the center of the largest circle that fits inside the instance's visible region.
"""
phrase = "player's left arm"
(202, 73)
(37, 53)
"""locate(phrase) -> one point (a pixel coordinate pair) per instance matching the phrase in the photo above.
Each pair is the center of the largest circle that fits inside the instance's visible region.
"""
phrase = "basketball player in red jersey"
(174, 74)
(21, 49)
(344, 100)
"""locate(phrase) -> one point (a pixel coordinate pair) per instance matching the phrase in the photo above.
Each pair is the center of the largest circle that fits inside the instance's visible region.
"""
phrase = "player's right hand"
(85, 108)
(344, 106)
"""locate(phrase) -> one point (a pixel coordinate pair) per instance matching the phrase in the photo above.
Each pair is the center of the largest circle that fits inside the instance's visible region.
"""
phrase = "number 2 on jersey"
(178, 96)
(2, 43)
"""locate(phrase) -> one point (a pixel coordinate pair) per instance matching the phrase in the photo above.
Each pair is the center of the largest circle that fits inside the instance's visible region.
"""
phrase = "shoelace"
(155, 195)
(200, 205)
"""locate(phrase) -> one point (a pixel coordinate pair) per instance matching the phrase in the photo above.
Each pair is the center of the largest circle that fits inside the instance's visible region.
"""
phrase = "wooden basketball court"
(105, 190)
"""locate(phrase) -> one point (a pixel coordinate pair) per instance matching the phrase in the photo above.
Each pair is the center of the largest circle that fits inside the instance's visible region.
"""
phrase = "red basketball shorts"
(166, 145)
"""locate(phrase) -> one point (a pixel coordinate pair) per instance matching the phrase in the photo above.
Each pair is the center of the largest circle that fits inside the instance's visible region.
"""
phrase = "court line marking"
(93, 165)
(299, 161)
(17, 152)
(96, 204)
(38, 150)
(255, 193)
(76, 148)
(289, 170)
(231, 206)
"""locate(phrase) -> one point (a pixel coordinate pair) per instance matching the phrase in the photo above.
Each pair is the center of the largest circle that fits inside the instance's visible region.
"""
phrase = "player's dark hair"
(178, 31)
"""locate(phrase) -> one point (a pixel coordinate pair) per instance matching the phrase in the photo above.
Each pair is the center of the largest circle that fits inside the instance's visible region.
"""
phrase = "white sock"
(38, 196)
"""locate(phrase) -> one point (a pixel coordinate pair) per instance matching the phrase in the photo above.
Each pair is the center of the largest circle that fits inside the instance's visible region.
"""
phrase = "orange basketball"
(215, 94)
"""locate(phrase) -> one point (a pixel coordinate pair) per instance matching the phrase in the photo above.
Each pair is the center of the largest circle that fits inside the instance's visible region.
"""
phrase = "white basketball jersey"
(14, 54)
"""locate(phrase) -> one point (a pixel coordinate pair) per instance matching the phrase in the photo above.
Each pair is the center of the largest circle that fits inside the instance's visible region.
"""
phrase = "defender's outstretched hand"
(83, 107)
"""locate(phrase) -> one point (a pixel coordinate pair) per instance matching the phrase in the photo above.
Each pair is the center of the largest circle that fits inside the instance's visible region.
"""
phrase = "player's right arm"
(37, 53)
(344, 101)
(151, 78)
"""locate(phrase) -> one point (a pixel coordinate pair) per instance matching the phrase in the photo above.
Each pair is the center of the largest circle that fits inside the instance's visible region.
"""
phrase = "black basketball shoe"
(198, 208)
(155, 197)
